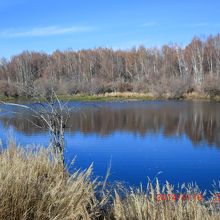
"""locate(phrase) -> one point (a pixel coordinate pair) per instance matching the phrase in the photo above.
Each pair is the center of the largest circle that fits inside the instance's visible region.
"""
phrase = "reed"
(33, 185)
(162, 204)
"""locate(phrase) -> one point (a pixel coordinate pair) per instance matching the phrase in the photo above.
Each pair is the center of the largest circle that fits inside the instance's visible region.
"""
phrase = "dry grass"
(129, 94)
(150, 204)
(159, 95)
(34, 186)
(196, 95)
(119, 95)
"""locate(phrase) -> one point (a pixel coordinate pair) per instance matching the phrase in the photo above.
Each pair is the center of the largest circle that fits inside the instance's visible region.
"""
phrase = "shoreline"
(122, 96)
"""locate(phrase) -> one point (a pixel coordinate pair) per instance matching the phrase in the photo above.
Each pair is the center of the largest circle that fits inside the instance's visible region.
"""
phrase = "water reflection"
(199, 121)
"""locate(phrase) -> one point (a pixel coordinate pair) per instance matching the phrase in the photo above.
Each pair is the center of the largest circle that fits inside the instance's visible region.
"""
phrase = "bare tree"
(105, 70)
(54, 116)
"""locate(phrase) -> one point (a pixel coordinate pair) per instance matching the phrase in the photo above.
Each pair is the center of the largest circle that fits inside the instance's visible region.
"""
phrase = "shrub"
(34, 186)
(8, 89)
(163, 203)
(124, 87)
(211, 86)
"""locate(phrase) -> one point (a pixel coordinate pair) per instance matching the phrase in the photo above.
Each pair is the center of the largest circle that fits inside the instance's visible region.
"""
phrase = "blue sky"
(47, 25)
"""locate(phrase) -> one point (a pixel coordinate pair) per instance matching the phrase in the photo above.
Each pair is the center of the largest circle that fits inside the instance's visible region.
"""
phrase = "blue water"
(134, 154)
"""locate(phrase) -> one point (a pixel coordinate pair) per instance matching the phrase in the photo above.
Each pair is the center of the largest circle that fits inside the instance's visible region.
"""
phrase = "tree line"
(170, 69)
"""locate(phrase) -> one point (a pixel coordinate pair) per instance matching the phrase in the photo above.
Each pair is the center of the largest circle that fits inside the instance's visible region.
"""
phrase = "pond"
(178, 141)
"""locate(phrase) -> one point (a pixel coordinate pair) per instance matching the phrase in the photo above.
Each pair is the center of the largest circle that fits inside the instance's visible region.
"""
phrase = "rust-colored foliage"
(170, 69)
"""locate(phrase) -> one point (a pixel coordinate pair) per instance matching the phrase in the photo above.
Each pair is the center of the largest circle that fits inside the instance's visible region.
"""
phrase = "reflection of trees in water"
(200, 121)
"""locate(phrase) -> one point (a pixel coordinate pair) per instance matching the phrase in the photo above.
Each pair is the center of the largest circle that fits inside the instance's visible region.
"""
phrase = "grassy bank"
(34, 186)
(124, 96)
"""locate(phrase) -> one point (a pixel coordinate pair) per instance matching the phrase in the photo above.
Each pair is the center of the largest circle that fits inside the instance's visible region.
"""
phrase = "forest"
(170, 69)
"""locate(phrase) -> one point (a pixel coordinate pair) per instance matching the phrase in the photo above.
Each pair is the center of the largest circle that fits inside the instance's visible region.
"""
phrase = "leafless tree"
(106, 70)
(54, 116)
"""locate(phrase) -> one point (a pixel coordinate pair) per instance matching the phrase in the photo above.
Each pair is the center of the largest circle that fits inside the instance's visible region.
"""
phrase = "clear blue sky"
(47, 25)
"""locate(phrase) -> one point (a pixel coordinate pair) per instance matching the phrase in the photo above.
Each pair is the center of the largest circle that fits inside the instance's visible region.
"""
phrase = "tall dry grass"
(34, 186)
(150, 204)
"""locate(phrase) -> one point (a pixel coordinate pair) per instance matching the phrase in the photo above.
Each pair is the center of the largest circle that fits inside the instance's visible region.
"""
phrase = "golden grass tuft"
(140, 205)
(34, 186)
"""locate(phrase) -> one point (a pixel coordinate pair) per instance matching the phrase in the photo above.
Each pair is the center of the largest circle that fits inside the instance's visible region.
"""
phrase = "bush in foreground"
(163, 204)
(34, 186)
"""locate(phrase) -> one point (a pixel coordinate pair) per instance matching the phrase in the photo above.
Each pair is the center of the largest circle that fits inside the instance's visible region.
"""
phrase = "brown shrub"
(8, 89)
(211, 85)
(34, 186)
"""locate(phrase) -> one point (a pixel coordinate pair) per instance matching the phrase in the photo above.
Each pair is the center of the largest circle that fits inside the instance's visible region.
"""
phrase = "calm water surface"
(180, 140)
